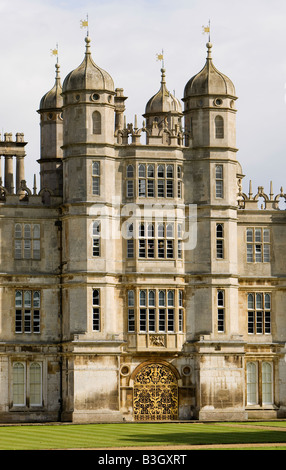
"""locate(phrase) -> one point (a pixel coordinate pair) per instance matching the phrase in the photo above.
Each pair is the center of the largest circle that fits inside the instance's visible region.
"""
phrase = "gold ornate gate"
(155, 396)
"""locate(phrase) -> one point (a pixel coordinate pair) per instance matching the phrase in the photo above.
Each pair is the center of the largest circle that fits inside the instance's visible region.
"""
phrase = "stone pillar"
(119, 109)
(9, 184)
(20, 172)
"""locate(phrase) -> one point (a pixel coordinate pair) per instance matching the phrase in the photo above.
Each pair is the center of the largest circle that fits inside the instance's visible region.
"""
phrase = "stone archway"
(155, 393)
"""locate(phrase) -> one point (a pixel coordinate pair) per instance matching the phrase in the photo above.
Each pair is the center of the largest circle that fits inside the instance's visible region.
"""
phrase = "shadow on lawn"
(200, 438)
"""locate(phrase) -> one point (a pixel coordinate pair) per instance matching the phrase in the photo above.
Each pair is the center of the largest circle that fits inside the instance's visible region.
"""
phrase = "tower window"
(96, 122)
(96, 310)
(96, 178)
(220, 311)
(130, 181)
(219, 181)
(219, 127)
(96, 239)
(130, 241)
(131, 311)
(219, 241)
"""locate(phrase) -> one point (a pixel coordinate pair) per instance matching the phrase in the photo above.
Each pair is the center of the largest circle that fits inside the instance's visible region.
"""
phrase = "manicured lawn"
(68, 436)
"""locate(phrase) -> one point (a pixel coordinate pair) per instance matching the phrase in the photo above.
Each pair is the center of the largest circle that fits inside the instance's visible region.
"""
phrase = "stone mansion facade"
(139, 282)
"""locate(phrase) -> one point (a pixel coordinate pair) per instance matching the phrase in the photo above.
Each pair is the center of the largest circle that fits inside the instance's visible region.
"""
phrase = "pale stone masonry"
(139, 282)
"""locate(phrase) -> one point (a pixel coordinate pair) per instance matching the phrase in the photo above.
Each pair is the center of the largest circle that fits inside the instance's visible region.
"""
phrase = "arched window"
(170, 298)
(267, 395)
(19, 386)
(151, 298)
(96, 238)
(219, 127)
(18, 231)
(131, 311)
(143, 298)
(170, 230)
(96, 178)
(252, 383)
(162, 297)
(219, 241)
(142, 171)
(130, 171)
(151, 231)
(27, 231)
(96, 310)
(131, 298)
(35, 384)
(96, 122)
(170, 171)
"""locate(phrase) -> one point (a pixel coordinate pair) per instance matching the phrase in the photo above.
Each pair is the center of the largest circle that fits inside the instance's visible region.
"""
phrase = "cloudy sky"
(248, 37)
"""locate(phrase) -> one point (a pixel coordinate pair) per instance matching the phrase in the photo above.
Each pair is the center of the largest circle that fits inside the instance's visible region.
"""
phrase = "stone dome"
(53, 98)
(88, 76)
(163, 101)
(209, 81)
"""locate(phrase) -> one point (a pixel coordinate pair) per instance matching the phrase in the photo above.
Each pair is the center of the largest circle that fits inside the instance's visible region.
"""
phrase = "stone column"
(9, 184)
(20, 172)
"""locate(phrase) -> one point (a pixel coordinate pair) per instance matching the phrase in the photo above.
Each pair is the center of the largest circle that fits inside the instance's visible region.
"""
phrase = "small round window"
(95, 97)
(218, 101)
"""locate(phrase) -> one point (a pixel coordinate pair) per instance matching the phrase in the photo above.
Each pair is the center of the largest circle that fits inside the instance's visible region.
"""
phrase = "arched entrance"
(155, 395)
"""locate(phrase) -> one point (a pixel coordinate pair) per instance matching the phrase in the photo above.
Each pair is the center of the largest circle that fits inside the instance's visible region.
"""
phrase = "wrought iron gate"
(155, 396)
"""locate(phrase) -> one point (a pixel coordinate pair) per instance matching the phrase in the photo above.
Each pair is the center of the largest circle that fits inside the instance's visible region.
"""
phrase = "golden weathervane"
(207, 30)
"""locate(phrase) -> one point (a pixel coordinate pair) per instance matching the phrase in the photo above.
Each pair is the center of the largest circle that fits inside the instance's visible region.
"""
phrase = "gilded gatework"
(155, 394)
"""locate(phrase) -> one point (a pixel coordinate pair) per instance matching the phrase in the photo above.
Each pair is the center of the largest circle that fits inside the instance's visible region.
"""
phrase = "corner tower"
(211, 169)
(209, 111)
(51, 115)
(89, 124)
(163, 110)
(210, 129)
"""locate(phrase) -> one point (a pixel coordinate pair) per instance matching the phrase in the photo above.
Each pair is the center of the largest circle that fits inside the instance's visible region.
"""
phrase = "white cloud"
(248, 45)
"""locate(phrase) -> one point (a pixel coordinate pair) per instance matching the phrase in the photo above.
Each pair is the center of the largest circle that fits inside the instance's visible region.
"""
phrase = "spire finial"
(163, 77)
(56, 52)
(160, 57)
(87, 47)
(207, 29)
(209, 47)
(84, 24)
(57, 72)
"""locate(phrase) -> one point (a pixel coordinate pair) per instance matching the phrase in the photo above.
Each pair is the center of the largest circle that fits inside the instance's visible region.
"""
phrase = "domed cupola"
(163, 107)
(51, 125)
(88, 105)
(209, 81)
(88, 76)
(209, 108)
(53, 99)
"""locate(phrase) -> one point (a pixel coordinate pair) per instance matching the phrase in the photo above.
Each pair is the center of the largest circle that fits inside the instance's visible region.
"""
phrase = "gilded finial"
(55, 52)
(160, 57)
(84, 24)
(207, 29)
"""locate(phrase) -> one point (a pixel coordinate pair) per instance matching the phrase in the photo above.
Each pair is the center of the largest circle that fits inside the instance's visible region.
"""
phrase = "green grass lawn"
(75, 436)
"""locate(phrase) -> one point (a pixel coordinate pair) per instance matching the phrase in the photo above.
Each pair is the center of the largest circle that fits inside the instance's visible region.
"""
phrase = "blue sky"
(248, 45)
